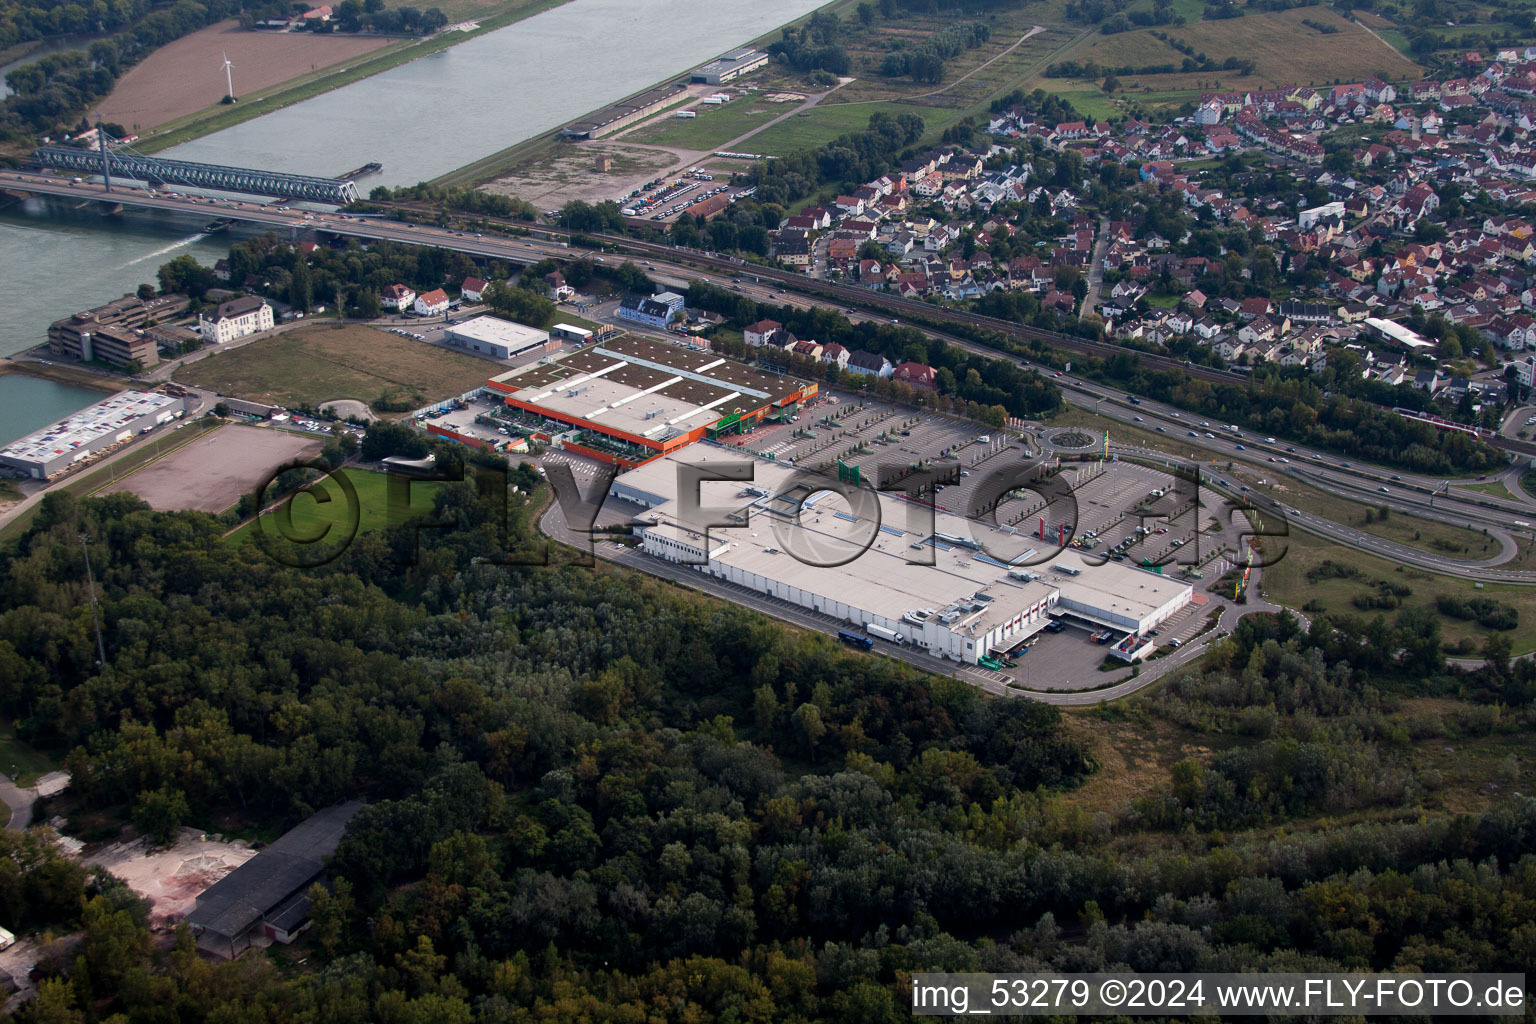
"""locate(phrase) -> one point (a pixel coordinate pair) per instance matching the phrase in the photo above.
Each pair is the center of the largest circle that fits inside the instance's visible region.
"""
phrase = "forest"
(593, 796)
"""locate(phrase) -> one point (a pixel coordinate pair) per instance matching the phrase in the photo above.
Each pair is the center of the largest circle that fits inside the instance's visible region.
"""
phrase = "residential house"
(868, 364)
(472, 289)
(397, 297)
(432, 303)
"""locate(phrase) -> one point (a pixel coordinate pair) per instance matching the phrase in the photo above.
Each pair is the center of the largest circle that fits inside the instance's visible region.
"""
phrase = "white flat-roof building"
(494, 337)
(966, 605)
(88, 432)
(570, 332)
(1393, 331)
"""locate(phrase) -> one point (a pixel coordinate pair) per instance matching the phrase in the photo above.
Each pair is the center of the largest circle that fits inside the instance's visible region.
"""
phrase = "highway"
(1364, 483)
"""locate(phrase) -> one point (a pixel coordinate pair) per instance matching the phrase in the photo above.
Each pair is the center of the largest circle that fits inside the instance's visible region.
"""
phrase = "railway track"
(911, 310)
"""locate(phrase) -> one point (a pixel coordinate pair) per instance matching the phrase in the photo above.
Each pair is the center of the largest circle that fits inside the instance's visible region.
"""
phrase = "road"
(1403, 492)
(20, 803)
(1096, 269)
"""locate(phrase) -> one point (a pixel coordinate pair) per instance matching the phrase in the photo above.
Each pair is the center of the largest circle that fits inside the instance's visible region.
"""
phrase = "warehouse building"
(569, 332)
(266, 899)
(964, 606)
(624, 113)
(497, 338)
(631, 399)
(89, 432)
(730, 66)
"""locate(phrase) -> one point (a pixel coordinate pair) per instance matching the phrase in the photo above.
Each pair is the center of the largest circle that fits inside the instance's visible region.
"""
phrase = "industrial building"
(631, 399)
(497, 338)
(110, 333)
(569, 332)
(730, 66)
(266, 899)
(967, 605)
(626, 112)
(89, 432)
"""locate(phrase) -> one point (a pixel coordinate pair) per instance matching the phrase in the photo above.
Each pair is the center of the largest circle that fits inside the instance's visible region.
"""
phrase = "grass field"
(1288, 583)
(1424, 534)
(22, 763)
(1493, 487)
(313, 365)
(822, 124)
(311, 517)
(1283, 49)
(714, 127)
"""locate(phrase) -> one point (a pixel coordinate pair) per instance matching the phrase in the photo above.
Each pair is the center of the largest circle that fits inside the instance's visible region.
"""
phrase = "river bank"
(296, 90)
(61, 373)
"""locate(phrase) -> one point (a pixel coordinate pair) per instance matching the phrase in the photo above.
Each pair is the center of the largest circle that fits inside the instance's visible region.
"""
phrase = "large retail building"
(632, 399)
(933, 586)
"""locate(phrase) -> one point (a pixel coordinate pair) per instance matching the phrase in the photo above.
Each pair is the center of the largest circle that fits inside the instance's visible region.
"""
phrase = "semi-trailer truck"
(884, 633)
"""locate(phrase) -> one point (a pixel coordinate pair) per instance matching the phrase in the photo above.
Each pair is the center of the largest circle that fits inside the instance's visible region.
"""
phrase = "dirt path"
(807, 104)
(981, 67)
(1378, 38)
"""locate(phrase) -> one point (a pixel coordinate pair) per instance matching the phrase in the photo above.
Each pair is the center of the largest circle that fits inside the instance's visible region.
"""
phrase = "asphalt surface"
(1404, 492)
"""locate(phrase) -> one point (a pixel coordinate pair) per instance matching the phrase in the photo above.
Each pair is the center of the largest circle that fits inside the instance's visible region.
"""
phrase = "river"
(458, 105)
(420, 120)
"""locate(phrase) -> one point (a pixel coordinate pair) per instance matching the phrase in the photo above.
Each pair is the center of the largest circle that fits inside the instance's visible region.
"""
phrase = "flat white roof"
(884, 579)
(515, 336)
(1397, 332)
(82, 430)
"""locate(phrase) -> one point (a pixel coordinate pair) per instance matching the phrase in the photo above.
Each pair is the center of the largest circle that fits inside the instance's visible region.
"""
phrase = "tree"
(146, 291)
(186, 276)
(520, 304)
(368, 304)
(300, 287)
(159, 813)
(1111, 83)
(866, 14)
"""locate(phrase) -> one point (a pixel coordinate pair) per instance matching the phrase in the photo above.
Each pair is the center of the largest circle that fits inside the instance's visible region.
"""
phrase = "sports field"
(187, 75)
(318, 363)
(312, 517)
(211, 473)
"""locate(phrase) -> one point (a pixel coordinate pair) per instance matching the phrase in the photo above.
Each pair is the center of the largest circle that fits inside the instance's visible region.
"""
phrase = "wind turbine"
(229, 76)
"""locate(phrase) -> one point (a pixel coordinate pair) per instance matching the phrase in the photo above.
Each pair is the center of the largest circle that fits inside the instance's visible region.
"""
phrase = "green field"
(714, 127)
(313, 518)
(1493, 487)
(317, 364)
(1287, 582)
(23, 764)
(820, 125)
